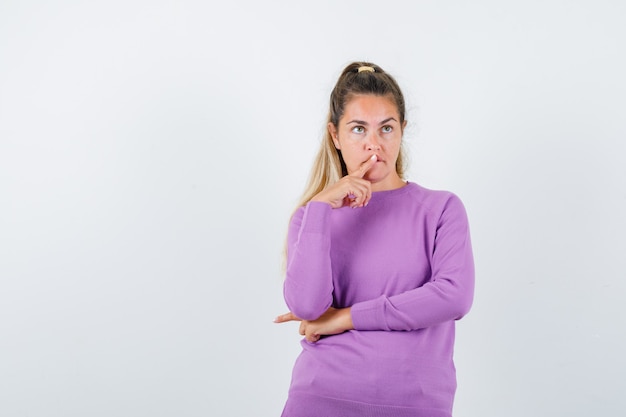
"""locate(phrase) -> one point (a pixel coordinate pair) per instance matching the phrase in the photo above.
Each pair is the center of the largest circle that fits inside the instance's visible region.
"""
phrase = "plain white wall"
(151, 153)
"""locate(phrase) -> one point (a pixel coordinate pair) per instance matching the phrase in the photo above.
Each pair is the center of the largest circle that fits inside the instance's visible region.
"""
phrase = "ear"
(403, 125)
(333, 134)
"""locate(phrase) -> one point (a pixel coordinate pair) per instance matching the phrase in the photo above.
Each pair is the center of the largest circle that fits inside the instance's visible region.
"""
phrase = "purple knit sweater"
(404, 264)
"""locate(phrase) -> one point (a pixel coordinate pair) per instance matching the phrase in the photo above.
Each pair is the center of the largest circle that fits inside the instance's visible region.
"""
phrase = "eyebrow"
(361, 122)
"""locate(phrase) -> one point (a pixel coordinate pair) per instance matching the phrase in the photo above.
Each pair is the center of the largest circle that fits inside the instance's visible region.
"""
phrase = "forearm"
(430, 305)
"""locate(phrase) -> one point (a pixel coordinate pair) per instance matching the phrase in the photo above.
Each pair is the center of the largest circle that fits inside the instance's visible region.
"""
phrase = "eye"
(387, 129)
(358, 129)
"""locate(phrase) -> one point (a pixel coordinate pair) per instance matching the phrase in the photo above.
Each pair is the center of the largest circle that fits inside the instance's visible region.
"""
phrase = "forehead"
(370, 107)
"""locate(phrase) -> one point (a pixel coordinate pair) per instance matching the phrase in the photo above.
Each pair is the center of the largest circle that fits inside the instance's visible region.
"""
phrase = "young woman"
(378, 268)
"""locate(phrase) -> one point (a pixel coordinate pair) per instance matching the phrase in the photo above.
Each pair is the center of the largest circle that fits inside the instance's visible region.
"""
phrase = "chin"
(375, 178)
(376, 175)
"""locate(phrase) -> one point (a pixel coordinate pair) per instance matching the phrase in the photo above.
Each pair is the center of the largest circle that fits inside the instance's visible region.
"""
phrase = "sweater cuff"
(369, 315)
(316, 217)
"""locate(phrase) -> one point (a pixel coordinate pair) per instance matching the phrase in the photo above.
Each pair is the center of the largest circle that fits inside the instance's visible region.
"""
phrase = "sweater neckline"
(376, 195)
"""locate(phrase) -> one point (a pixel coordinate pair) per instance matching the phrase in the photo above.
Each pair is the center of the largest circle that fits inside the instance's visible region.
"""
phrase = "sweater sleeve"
(448, 295)
(308, 286)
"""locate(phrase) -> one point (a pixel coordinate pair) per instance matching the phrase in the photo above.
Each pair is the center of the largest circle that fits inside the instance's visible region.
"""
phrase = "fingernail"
(373, 158)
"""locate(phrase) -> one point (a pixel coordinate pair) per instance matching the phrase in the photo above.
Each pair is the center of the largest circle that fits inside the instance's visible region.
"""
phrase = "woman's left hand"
(333, 321)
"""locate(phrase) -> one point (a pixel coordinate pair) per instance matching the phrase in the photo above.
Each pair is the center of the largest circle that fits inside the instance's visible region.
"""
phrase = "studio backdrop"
(152, 152)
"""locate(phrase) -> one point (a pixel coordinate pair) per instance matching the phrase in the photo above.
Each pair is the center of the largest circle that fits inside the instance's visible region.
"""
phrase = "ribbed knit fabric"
(404, 264)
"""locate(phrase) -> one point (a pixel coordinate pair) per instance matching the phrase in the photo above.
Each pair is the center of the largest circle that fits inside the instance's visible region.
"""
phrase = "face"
(370, 125)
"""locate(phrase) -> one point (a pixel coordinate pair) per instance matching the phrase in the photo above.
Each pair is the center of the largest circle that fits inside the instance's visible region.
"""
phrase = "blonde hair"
(357, 78)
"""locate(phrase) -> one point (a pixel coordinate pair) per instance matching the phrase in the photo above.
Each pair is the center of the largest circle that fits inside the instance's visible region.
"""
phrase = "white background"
(151, 153)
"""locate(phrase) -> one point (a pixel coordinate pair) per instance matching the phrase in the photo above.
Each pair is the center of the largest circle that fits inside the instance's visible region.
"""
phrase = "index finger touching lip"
(365, 166)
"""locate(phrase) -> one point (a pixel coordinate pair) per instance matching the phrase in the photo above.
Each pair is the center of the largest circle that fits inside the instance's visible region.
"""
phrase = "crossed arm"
(309, 288)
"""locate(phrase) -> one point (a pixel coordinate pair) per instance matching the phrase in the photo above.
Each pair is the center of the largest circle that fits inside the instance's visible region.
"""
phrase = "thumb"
(365, 166)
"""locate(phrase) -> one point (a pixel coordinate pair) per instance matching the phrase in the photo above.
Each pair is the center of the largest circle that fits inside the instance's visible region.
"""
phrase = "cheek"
(396, 147)
(350, 150)
(352, 158)
(391, 146)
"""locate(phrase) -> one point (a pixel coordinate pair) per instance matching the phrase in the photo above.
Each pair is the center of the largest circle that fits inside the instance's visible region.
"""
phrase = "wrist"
(320, 199)
(347, 318)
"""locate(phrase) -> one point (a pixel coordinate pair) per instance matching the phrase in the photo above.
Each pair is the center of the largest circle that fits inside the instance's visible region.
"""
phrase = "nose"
(373, 144)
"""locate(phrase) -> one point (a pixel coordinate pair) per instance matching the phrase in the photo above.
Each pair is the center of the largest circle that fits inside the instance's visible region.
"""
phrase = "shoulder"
(434, 200)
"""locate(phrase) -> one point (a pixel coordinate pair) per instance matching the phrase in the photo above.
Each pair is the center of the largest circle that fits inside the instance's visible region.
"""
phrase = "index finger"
(365, 166)
(286, 317)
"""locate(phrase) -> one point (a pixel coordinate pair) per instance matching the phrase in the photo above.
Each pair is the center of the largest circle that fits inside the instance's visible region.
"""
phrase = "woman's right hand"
(352, 190)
